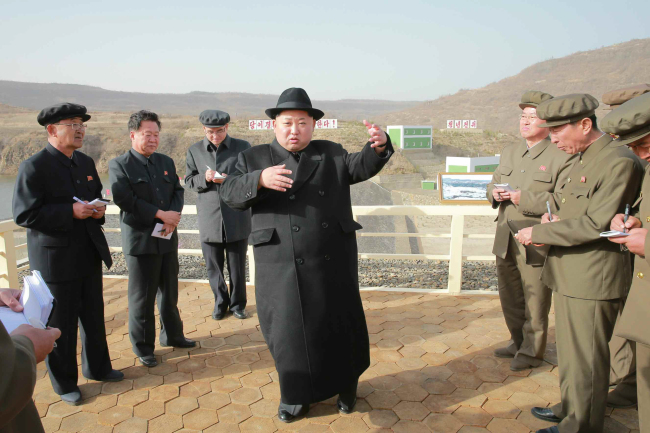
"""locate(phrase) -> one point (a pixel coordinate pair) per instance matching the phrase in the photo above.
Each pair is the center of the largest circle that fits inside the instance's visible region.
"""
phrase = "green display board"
(429, 184)
(395, 136)
(486, 168)
(457, 169)
(417, 131)
(416, 142)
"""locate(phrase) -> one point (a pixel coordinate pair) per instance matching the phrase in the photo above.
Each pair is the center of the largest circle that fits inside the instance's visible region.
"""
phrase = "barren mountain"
(35, 96)
(495, 106)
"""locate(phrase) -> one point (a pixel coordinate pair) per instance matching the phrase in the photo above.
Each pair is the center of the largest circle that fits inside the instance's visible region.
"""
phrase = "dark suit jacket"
(213, 213)
(140, 188)
(18, 366)
(60, 247)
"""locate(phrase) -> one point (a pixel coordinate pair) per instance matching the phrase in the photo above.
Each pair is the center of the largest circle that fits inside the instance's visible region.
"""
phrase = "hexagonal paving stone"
(115, 415)
(117, 387)
(465, 380)
(226, 384)
(99, 403)
(149, 409)
(411, 392)
(490, 375)
(191, 365)
(383, 399)
(219, 361)
(236, 370)
(389, 344)
(234, 413)
(133, 397)
(200, 419)
(181, 405)
(255, 380)
(132, 425)
(147, 382)
(501, 409)
(526, 401)
(79, 422)
(442, 423)
(472, 416)
(506, 426)
(409, 410)
(214, 400)
(166, 423)
(62, 409)
(271, 391)
(246, 396)
(380, 418)
(207, 374)
(411, 340)
(385, 383)
(323, 414)
(412, 351)
(437, 373)
(439, 387)
(255, 424)
(348, 425)
(404, 426)
(195, 389)
(264, 408)
(386, 355)
(163, 368)
(461, 366)
(164, 393)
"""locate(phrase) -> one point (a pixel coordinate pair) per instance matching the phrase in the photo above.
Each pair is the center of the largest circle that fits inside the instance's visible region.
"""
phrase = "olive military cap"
(621, 96)
(566, 109)
(630, 121)
(214, 118)
(533, 98)
(58, 112)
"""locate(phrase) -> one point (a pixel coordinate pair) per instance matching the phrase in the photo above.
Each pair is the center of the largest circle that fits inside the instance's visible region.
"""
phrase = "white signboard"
(462, 124)
(255, 125)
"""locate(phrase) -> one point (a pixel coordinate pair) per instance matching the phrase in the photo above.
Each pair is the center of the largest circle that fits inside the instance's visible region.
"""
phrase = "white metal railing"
(9, 266)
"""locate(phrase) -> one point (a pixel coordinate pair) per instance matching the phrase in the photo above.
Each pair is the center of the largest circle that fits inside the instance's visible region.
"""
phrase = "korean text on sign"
(255, 125)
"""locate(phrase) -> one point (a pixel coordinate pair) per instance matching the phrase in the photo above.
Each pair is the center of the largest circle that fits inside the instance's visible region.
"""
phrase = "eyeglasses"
(526, 117)
(74, 126)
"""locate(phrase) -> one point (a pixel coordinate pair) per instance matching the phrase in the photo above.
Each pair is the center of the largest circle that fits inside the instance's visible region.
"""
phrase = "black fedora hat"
(294, 98)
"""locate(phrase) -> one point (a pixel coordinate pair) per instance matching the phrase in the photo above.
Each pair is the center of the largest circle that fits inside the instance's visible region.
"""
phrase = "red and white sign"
(462, 124)
(255, 125)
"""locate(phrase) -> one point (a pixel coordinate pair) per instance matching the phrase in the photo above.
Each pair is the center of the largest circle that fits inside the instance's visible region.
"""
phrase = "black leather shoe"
(287, 417)
(549, 430)
(113, 376)
(72, 398)
(218, 315)
(240, 314)
(181, 342)
(148, 361)
(345, 408)
(545, 414)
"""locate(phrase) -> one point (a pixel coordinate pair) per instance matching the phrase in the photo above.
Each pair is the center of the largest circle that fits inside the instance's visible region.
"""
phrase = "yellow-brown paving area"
(432, 371)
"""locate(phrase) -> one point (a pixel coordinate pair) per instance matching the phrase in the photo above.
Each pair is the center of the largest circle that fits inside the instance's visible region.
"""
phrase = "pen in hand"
(627, 214)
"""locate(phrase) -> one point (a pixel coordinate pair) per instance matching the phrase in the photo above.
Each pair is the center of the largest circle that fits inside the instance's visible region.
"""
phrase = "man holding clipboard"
(534, 168)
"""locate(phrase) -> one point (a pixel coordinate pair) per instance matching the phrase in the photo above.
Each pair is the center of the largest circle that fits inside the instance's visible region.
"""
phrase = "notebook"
(37, 302)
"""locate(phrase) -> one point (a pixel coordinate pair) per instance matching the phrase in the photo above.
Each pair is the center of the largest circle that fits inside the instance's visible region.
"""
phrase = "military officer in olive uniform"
(589, 275)
(631, 122)
(146, 189)
(66, 244)
(622, 351)
(222, 229)
(534, 168)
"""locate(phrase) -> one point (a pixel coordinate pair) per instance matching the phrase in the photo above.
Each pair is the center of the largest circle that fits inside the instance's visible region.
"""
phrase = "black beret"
(214, 118)
(66, 110)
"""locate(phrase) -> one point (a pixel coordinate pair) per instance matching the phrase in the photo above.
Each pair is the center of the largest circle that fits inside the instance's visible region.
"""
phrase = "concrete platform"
(432, 371)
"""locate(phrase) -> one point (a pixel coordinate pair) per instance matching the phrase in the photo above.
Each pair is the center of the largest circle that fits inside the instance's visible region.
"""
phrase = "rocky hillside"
(495, 106)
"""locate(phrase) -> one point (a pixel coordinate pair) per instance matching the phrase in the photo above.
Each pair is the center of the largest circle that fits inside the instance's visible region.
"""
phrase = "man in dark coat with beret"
(303, 233)
(222, 229)
(65, 242)
(146, 189)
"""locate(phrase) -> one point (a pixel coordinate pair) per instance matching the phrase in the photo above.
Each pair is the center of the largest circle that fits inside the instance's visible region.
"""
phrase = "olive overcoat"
(306, 283)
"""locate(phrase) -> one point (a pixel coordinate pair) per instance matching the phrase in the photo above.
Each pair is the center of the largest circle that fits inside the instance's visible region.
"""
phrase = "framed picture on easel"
(463, 188)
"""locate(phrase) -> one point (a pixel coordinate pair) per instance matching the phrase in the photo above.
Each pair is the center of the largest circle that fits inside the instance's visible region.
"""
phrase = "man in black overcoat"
(65, 242)
(145, 187)
(303, 233)
(222, 229)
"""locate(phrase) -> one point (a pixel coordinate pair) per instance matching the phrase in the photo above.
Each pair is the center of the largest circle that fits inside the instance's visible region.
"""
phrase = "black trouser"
(78, 303)
(153, 278)
(346, 396)
(235, 252)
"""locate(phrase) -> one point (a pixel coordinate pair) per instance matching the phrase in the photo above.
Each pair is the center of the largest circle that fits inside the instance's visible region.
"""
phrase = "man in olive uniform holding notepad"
(589, 275)
(631, 123)
(531, 168)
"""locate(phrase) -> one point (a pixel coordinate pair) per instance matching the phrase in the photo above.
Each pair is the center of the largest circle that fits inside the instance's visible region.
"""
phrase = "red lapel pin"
(165, 172)
(542, 167)
(90, 178)
(583, 179)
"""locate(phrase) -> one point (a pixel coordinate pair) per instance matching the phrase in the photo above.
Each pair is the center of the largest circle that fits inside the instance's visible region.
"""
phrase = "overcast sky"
(399, 50)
